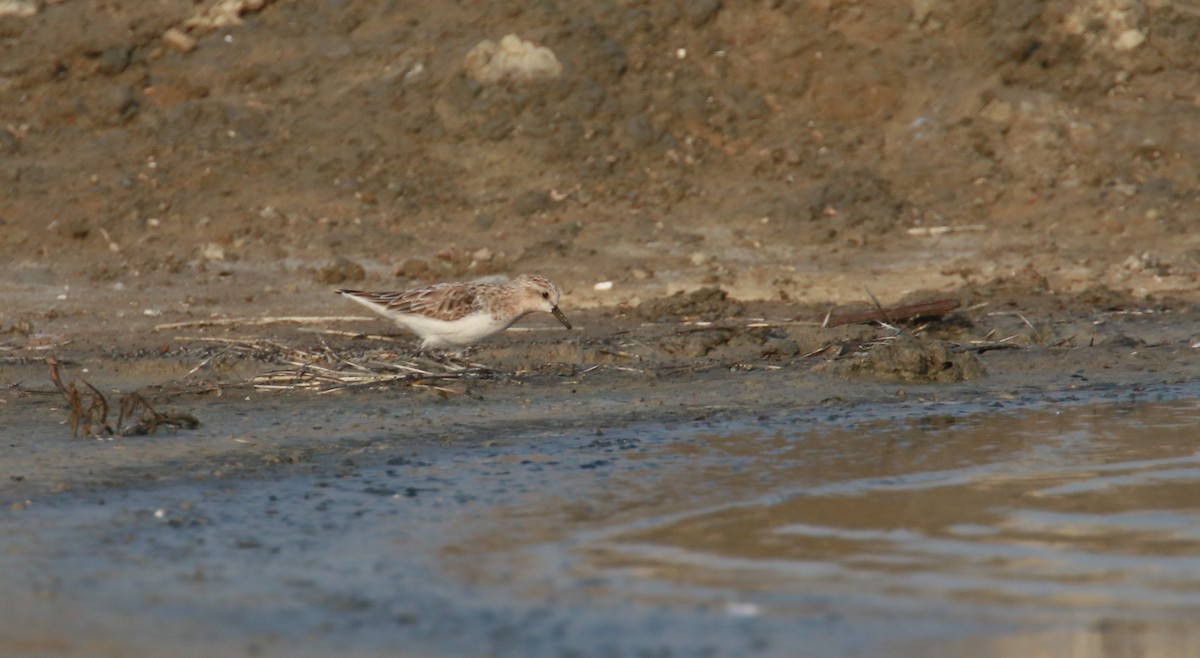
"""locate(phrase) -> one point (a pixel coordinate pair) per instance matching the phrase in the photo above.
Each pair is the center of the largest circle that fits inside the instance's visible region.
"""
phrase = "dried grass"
(89, 411)
(324, 370)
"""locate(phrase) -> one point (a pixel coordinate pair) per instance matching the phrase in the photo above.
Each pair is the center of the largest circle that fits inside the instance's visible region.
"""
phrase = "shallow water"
(1060, 527)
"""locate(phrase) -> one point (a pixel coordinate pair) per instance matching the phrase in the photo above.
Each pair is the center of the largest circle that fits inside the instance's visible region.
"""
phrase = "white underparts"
(464, 331)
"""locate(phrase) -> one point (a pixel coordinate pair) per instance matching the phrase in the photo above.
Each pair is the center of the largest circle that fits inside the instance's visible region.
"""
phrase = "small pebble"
(18, 8)
(213, 251)
(179, 40)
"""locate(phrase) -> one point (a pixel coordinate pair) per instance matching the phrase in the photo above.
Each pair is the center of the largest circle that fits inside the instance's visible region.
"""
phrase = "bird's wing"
(442, 301)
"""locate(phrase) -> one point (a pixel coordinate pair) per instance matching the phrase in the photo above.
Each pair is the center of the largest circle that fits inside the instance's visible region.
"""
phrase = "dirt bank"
(788, 150)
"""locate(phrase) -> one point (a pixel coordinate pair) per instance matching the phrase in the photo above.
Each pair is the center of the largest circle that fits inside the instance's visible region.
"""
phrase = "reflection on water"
(1079, 525)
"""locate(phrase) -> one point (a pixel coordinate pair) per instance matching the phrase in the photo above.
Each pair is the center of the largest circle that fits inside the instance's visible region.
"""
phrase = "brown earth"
(166, 165)
(782, 150)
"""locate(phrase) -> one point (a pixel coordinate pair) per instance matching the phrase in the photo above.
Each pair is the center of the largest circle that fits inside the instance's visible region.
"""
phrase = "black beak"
(561, 318)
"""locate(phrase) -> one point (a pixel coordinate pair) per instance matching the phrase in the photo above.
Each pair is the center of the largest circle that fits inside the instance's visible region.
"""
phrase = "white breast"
(458, 333)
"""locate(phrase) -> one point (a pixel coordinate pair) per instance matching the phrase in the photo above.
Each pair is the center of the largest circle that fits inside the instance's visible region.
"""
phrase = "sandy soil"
(177, 178)
(749, 165)
(783, 150)
(168, 162)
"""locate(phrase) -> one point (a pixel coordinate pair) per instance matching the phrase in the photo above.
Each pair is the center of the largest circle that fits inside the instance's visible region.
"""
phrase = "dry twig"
(89, 410)
(895, 314)
(295, 319)
(324, 370)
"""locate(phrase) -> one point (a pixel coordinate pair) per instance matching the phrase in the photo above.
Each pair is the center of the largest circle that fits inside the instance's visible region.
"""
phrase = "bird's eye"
(545, 295)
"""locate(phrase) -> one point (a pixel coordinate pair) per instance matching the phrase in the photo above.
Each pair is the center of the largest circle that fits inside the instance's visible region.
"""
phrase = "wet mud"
(718, 477)
(541, 526)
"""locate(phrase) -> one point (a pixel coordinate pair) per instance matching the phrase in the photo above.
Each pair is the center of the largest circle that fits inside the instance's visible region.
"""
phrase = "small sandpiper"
(455, 315)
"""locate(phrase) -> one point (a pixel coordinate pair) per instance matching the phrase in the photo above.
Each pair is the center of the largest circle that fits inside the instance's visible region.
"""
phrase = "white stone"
(19, 8)
(512, 59)
(213, 251)
(1130, 39)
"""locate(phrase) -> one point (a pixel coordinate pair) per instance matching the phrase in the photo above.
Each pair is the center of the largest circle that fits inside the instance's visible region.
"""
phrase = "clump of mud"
(705, 304)
(908, 358)
(341, 270)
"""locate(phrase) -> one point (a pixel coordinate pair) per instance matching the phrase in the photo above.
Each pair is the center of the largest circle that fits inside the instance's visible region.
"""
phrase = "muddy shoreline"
(613, 373)
(245, 513)
(392, 516)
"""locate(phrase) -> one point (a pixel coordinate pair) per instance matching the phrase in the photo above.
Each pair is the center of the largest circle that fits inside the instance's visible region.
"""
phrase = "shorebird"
(455, 315)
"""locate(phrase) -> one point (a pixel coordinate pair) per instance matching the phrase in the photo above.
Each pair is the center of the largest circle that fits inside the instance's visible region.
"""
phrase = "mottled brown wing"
(442, 301)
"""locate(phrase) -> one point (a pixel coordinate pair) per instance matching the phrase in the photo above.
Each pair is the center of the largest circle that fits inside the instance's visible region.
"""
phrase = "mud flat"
(665, 484)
